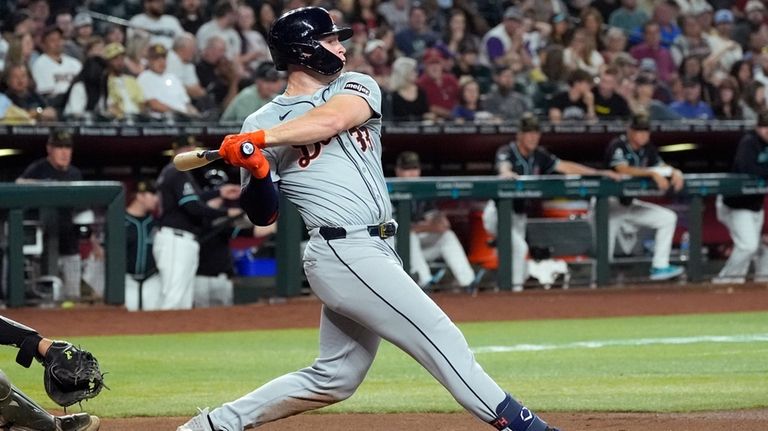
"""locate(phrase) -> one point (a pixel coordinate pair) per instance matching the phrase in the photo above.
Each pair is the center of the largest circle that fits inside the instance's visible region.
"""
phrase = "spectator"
(592, 24)
(441, 87)
(503, 44)
(632, 154)
(575, 104)
(581, 54)
(21, 50)
(691, 42)
(184, 208)
(504, 101)
(254, 47)
(628, 17)
(366, 12)
(651, 48)
(692, 107)
(561, 29)
(725, 51)
(395, 13)
(753, 24)
(54, 71)
(218, 75)
(40, 11)
(136, 53)
(12, 114)
(468, 64)
(265, 18)
(191, 15)
(609, 104)
(165, 95)
(459, 32)
(417, 37)
(163, 28)
(469, 108)
(643, 102)
(704, 14)
(125, 98)
(88, 93)
(63, 20)
(409, 101)
(19, 89)
(627, 65)
(741, 71)
(181, 63)
(221, 25)
(377, 56)
(664, 16)
(615, 42)
(744, 215)
(727, 103)
(268, 83)
(753, 100)
(83, 31)
(693, 68)
(57, 166)
(114, 34)
(141, 274)
(431, 236)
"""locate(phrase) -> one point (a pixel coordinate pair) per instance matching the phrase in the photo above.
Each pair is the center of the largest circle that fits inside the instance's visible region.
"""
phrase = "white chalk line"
(598, 344)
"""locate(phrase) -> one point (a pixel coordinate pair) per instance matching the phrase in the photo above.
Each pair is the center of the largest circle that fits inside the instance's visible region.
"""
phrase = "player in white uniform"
(322, 143)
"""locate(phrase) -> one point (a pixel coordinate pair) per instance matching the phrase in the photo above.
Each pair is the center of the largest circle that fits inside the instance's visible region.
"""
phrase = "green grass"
(171, 374)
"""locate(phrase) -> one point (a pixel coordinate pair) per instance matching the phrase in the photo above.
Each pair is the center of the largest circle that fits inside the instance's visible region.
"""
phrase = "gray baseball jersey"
(338, 182)
(339, 188)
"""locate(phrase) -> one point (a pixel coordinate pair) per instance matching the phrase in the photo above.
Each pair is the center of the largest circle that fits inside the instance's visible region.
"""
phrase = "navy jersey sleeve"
(547, 161)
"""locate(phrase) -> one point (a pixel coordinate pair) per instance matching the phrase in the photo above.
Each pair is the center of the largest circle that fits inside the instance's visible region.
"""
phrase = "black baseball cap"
(529, 123)
(408, 160)
(267, 72)
(60, 138)
(640, 122)
(146, 186)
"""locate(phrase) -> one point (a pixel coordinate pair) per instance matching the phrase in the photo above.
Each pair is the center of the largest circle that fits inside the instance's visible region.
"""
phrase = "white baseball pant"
(429, 246)
(213, 291)
(644, 215)
(176, 256)
(519, 246)
(745, 227)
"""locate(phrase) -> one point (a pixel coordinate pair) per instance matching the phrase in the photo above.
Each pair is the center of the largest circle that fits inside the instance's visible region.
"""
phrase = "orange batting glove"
(243, 150)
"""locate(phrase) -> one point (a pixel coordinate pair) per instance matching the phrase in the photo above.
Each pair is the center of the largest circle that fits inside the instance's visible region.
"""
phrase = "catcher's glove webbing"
(71, 374)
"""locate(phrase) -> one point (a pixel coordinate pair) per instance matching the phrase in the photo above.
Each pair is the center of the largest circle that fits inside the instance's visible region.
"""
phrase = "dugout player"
(17, 410)
(57, 166)
(633, 155)
(322, 143)
(744, 215)
(431, 233)
(524, 156)
(141, 276)
(183, 211)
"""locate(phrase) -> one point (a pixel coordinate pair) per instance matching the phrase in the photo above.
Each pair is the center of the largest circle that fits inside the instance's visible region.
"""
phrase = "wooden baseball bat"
(194, 159)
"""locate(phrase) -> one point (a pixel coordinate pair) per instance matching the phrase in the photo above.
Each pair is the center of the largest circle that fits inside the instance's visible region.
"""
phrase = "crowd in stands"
(459, 61)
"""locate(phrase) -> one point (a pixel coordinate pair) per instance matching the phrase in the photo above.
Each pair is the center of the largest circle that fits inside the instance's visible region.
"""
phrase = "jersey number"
(362, 137)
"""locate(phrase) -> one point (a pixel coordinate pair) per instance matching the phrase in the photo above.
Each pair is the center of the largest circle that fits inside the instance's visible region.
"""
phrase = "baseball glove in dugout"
(71, 374)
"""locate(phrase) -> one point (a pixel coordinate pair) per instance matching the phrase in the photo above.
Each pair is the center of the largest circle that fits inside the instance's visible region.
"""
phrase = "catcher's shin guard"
(511, 416)
(19, 411)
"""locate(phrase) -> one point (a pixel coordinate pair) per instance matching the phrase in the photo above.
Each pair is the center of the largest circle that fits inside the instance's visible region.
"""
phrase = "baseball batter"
(321, 142)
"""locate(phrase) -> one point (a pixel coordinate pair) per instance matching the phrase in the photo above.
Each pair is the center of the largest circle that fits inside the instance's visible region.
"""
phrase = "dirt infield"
(575, 303)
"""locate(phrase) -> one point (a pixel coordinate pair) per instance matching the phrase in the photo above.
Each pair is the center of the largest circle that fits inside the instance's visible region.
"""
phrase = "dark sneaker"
(77, 422)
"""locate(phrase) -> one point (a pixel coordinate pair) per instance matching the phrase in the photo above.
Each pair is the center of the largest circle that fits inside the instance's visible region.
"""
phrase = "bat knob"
(247, 148)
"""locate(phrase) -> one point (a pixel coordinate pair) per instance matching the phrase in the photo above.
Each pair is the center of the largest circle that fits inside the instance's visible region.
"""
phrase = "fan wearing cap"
(503, 44)
(267, 84)
(651, 48)
(754, 23)
(441, 87)
(520, 157)
(163, 90)
(83, 32)
(632, 154)
(54, 71)
(141, 277)
(692, 107)
(125, 98)
(184, 210)
(725, 50)
(57, 166)
(744, 215)
(431, 236)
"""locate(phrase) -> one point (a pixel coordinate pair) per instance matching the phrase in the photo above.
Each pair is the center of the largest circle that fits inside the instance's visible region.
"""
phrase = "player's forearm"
(259, 200)
(571, 168)
(633, 171)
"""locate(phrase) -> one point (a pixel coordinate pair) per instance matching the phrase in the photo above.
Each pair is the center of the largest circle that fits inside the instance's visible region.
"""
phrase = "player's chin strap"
(19, 410)
(511, 416)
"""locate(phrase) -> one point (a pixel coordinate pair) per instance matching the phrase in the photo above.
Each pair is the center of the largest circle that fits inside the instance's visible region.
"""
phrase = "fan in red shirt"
(441, 87)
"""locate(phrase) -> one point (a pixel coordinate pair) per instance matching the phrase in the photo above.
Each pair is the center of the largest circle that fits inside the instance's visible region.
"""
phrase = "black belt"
(383, 231)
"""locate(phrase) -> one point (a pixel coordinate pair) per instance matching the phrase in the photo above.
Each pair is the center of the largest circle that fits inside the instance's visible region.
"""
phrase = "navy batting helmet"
(294, 39)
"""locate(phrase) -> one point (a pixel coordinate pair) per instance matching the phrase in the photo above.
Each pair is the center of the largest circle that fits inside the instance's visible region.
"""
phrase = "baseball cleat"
(201, 422)
(77, 422)
(670, 271)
